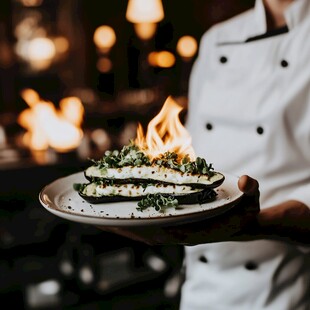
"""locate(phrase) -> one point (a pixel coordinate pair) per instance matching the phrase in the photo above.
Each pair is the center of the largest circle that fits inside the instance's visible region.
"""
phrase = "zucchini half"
(92, 193)
(153, 174)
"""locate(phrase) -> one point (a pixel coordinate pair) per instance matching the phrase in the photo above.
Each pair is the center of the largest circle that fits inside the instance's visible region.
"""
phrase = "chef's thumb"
(248, 185)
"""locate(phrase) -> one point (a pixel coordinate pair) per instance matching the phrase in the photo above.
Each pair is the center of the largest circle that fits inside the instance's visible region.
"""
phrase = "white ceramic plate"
(61, 199)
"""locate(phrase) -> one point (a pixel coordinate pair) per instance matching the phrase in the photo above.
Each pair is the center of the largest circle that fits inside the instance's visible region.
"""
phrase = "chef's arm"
(288, 221)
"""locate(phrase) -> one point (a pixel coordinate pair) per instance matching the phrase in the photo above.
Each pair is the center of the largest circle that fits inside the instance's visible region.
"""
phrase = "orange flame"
(48, 127)
(72, 110)
(165, 133)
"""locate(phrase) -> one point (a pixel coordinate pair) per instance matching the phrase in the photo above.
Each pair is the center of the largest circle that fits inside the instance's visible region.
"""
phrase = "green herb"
(107, 182)
(158, 202)
(172, 160)
(144, 186)
(202, 167)
(131, 155)
(78, 186)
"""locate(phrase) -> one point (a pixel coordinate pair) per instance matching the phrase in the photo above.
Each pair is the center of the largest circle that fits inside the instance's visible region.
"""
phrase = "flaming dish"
(157, 169)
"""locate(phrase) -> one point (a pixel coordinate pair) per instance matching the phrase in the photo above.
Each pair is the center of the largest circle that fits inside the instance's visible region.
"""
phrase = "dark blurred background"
(85, 62)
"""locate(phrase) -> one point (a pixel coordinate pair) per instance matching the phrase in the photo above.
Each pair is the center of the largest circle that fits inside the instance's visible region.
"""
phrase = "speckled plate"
(61, 199)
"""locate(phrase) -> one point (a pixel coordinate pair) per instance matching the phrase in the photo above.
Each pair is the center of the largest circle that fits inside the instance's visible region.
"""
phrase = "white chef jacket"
(249, 113)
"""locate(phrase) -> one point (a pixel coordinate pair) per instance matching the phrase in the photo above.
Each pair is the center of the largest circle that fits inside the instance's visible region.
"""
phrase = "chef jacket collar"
(295, 14)
(260, 26)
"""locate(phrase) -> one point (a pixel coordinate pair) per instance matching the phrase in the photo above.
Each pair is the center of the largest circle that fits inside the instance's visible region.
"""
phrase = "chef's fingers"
(250, 188)
(248, 185)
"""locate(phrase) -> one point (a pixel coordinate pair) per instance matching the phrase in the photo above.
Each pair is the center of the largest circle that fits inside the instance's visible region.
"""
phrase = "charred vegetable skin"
(193, 181)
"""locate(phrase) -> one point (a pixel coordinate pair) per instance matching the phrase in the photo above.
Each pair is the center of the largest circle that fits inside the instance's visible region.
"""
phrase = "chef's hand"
(236, 224)
(288, 221)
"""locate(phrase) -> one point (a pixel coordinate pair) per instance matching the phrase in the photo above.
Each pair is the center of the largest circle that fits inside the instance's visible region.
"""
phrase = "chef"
(249, 114)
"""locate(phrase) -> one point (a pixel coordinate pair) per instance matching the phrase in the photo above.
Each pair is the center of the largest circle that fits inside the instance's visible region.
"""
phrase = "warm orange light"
(145, 31)
(165, 59)
(104, 64)
(152, 59)
(30, 96)
(31, 3)
(41, 52)
(61, 45)
(48, 127)
(34, 138)
(144, 11)
(187, 46)
(165, 132)
(72, 110)
(162, 59)
(104, 37)
(62, 136)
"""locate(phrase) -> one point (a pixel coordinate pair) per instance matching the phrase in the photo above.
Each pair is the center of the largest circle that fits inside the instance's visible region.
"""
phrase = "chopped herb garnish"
(158, 202)
(78, 186)
(172, 160)
(131, 155)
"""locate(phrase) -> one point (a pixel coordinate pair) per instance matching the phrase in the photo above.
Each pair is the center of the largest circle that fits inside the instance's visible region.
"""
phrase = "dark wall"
(77, 19)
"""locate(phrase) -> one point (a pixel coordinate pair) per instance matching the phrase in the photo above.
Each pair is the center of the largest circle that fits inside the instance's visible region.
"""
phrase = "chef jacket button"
(260, 130)
(209, 126)
(284, 63)
(223, 59)
(251, 265)
(203, 259)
